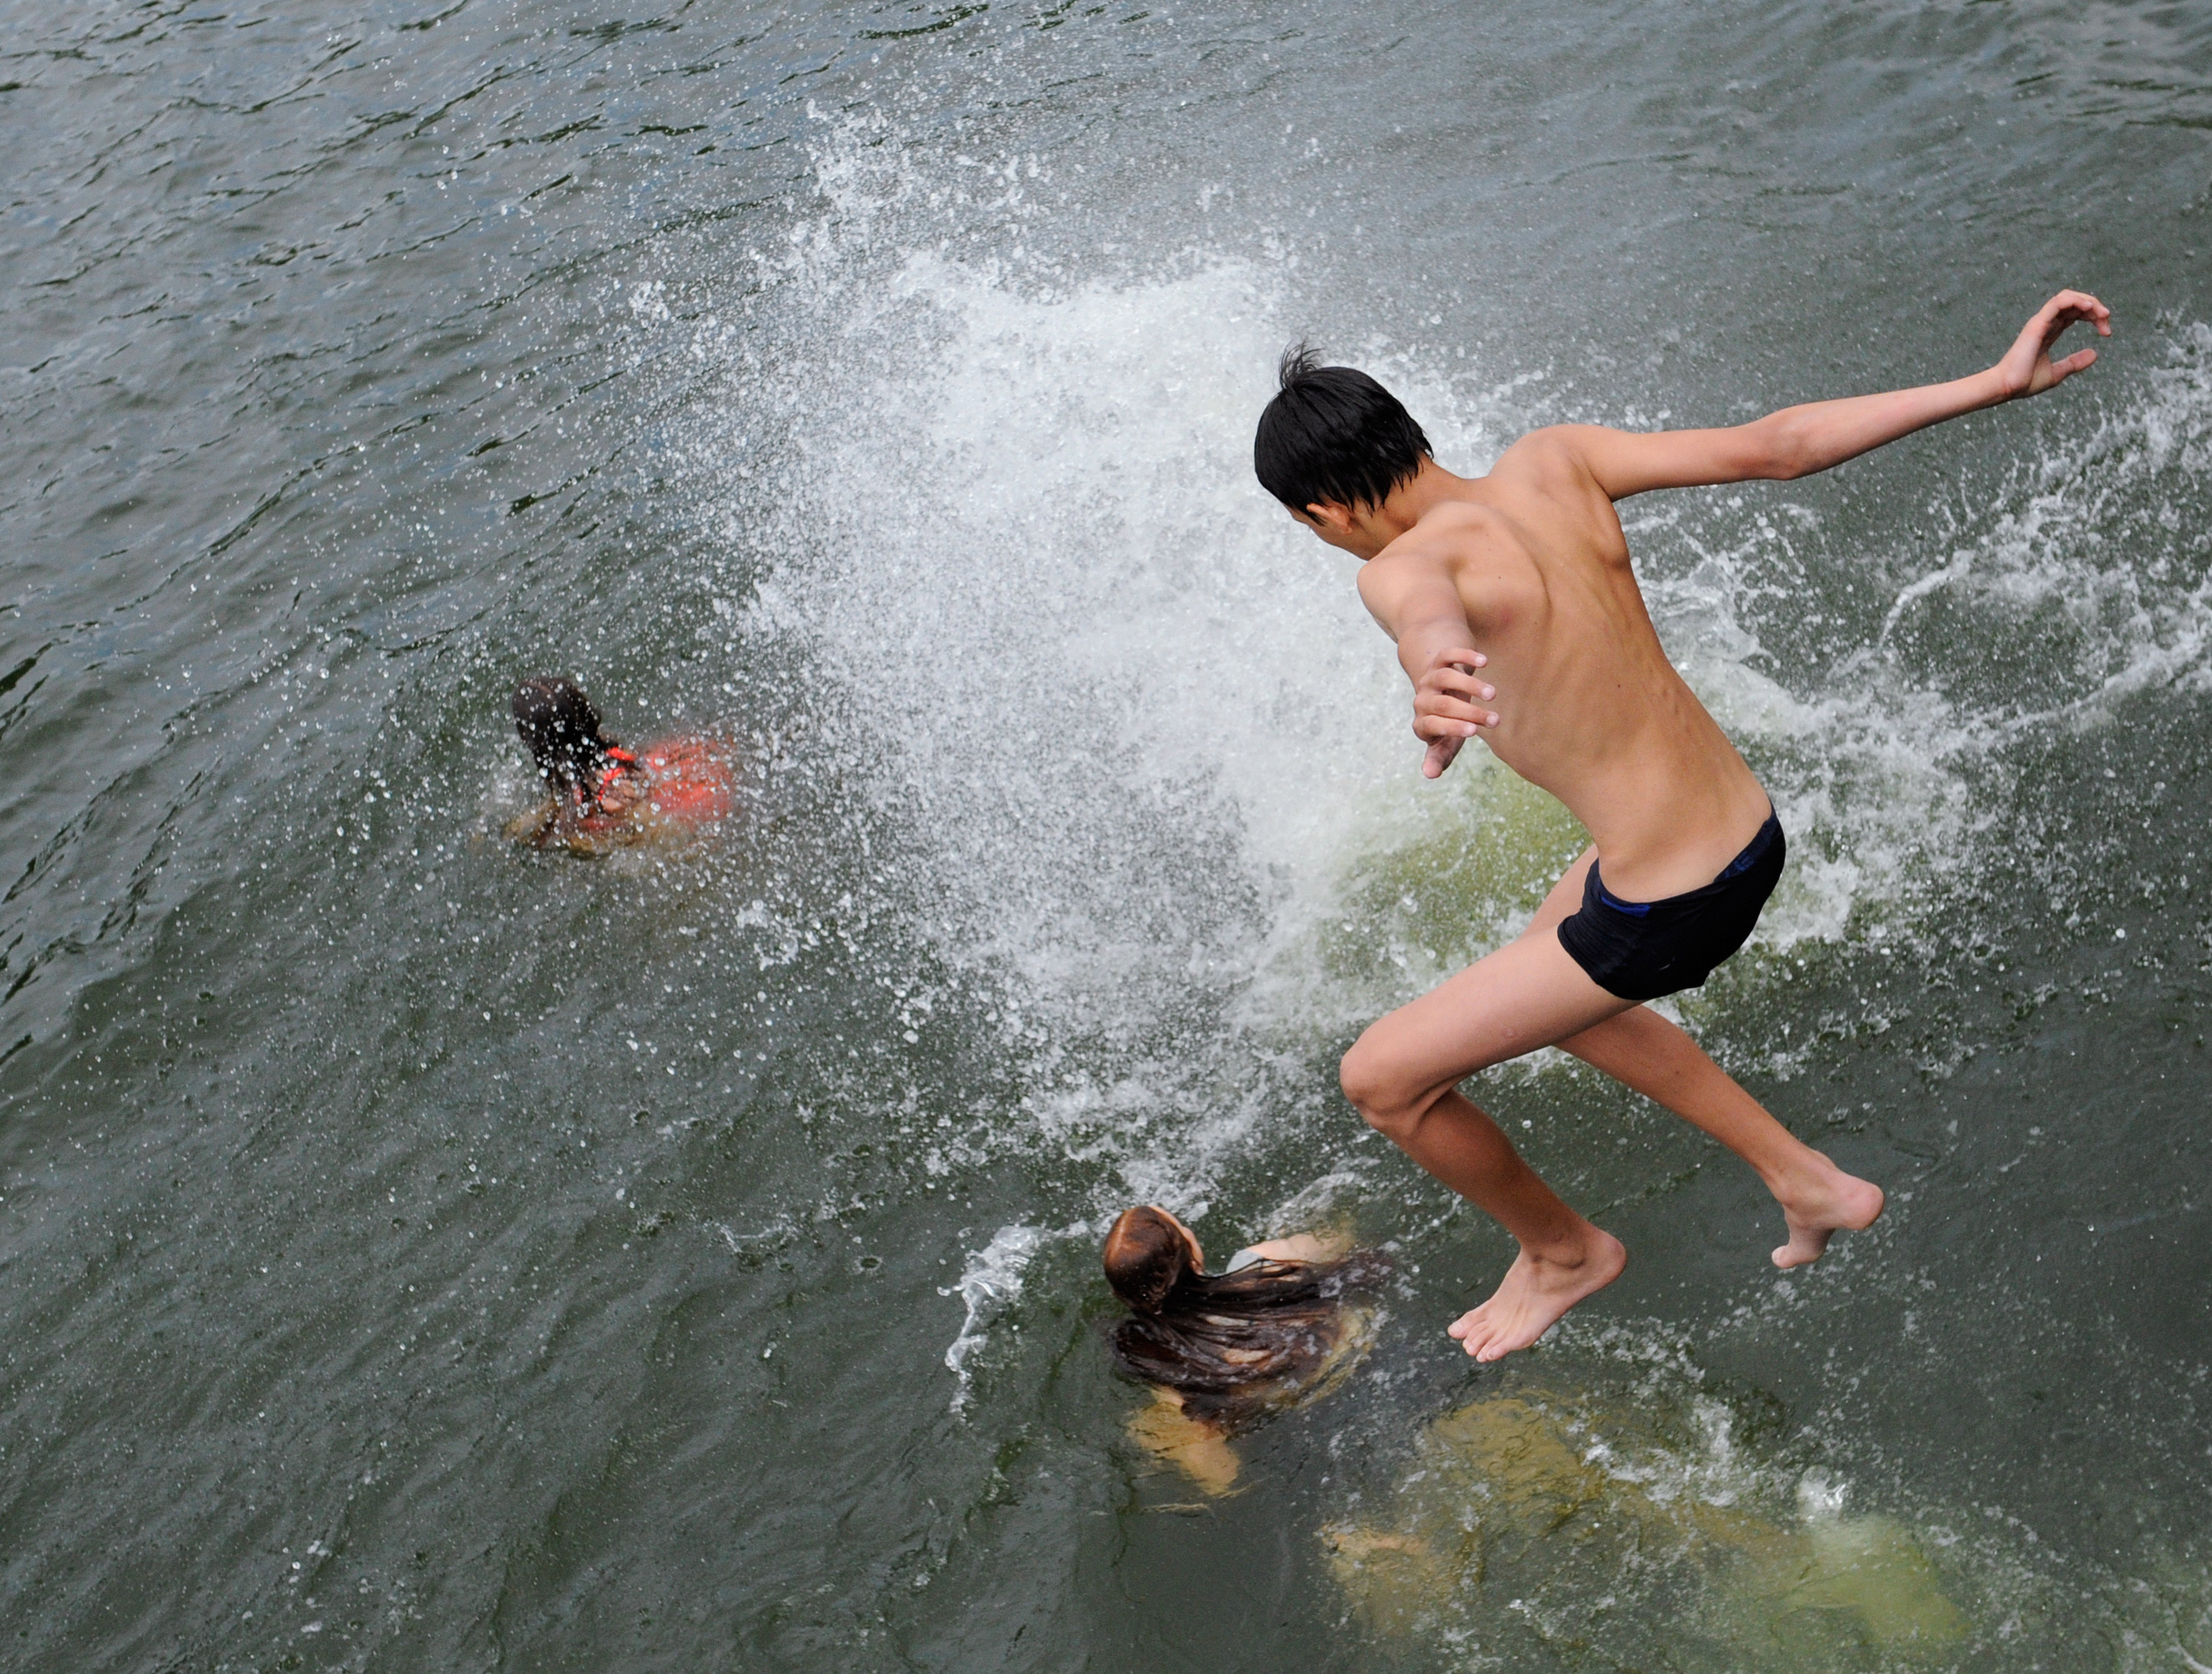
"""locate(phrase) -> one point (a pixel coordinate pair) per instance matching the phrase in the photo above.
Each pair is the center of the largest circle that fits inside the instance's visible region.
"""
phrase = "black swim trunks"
(1641, 950)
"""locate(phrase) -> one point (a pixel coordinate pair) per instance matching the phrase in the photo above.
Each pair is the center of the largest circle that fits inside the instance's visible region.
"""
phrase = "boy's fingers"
(1460, 678)
(1463, 685)
(1451, 710)
(2068, 306)
(1432, 729)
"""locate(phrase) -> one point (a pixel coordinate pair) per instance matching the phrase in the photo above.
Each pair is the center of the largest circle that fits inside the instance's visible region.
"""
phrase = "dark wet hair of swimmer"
(1233, 1344)
(562, 730)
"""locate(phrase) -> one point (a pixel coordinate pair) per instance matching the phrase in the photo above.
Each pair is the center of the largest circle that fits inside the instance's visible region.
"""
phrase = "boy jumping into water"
(1529, 564)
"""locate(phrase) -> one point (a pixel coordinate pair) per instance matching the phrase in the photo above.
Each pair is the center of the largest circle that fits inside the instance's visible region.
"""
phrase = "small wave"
(989, 1284)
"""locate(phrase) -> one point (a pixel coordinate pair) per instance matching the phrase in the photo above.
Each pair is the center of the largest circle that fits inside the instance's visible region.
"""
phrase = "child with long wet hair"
(603, 795)
(1223, 1350)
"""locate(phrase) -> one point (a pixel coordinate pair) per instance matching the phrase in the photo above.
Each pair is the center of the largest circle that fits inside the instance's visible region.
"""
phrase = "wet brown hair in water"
(562, 730)
(1231, 1344)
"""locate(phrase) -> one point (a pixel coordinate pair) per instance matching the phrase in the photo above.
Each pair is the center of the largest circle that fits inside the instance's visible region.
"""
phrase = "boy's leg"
(1403, 1074)
(1643, 1050)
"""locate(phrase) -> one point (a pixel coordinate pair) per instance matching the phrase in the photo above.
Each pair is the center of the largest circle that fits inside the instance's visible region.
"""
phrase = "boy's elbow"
(1794, 463)
(1781, 451)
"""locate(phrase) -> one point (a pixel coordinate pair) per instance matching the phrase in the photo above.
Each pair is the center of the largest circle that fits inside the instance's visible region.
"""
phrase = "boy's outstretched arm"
(1799, 440)
(1413, 596)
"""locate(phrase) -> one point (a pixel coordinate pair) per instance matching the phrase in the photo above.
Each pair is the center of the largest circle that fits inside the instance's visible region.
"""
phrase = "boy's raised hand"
(2027, 369)
(1450, 706)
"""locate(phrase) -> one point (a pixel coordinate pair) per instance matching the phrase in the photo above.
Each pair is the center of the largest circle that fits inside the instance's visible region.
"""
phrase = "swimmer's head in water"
(561, 728)
(1232, 1345)
(1147, 1251)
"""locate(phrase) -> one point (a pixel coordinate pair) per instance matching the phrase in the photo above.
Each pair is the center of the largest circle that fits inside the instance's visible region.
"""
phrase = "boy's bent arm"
(1415, 598)
(1799, 440)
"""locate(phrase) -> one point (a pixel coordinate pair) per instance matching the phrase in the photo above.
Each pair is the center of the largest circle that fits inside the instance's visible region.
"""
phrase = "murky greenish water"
(420, 1254)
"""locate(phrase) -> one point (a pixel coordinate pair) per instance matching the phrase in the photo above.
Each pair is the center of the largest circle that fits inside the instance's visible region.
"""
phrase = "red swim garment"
(684, 781)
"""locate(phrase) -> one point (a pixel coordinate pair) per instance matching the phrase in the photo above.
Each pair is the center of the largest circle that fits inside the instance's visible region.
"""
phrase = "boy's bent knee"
(1379, 1092)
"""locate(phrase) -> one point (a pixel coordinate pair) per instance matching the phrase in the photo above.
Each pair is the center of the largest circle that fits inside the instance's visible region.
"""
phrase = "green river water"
(422, 1254)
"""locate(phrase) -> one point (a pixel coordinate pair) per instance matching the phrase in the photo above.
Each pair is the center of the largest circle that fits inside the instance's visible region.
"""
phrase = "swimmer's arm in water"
(618, 795)
(537, 825)
(1194, 1446)
(1798, 441)
(1413, 596)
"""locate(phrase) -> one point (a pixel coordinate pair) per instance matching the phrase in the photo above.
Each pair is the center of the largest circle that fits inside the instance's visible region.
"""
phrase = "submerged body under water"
(1685, 1551)
(425, 1252)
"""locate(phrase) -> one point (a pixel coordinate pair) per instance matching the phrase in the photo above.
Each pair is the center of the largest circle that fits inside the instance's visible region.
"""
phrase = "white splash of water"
(990, 1282)
(1140, 733)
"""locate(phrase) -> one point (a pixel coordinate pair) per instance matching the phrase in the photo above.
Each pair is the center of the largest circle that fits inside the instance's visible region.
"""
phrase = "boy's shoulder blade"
(1448, 528)
(1549, 448)
(1448, 538)
(1437, 538)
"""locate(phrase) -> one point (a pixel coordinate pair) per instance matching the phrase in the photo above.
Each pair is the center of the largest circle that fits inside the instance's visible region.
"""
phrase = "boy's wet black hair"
(561, 728)
(1334, 435)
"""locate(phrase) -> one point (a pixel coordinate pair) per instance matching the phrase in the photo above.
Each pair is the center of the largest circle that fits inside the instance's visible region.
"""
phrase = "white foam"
(989, 1282)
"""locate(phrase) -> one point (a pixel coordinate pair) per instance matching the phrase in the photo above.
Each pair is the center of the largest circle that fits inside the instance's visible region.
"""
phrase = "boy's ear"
(1328, 515)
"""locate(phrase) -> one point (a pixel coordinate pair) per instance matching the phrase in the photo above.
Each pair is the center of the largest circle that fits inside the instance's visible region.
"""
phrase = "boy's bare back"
(1536, 564)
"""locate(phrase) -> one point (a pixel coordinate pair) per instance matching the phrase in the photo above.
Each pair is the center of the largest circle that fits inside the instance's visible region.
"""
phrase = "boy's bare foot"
(1825, 1202)
(1536, 1291)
